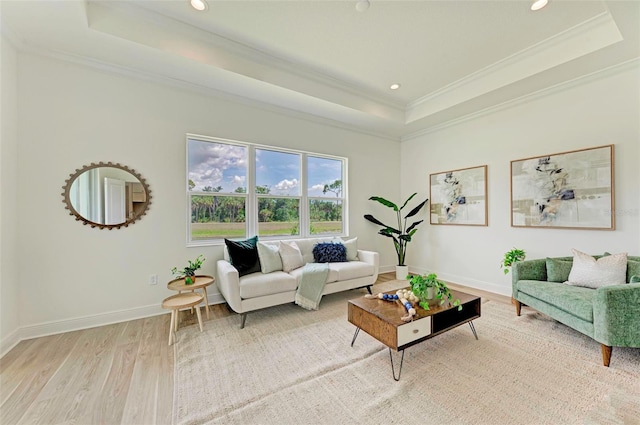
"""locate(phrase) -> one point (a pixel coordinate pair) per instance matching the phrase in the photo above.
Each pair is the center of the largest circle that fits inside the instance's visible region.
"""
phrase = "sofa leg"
(518, 307)
(243, 318)
(606, 354)
(369, 289)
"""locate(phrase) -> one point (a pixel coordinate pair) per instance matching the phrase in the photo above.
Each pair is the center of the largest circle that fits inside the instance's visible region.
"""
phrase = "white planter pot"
(430, 293)
(402, 272)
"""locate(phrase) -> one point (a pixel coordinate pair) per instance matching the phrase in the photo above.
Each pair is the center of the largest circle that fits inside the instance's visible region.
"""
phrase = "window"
(217, 184)
(325, 195)
(239, 189)
(278, 192)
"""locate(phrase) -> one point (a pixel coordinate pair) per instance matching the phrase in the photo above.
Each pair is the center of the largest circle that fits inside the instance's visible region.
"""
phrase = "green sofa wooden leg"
(606, 354)
(518, 307)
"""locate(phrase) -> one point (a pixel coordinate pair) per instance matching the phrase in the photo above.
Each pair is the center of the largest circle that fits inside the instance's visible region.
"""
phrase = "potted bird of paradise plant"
(402, 234)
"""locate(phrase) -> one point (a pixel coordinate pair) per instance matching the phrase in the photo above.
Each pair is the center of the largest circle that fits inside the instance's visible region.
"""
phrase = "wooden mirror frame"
(72, 211)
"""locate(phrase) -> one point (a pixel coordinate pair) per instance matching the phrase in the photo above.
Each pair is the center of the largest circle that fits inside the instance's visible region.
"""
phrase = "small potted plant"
(189, 272)
(428, 287)
(510, 258)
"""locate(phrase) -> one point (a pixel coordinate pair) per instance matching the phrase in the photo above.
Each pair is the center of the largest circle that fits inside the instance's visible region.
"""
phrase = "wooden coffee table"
(381, 320)
(202, 281)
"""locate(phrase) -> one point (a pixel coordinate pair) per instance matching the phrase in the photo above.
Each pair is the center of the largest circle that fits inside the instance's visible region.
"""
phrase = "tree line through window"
(290, 193)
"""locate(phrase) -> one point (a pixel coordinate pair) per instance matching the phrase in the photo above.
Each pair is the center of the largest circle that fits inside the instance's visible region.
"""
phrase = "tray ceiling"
(327, 60)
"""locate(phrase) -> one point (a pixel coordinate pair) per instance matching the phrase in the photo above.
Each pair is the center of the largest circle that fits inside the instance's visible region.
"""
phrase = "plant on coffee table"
(420, 285)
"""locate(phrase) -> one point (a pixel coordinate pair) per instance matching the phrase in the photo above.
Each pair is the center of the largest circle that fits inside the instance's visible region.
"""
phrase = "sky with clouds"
(217, 164)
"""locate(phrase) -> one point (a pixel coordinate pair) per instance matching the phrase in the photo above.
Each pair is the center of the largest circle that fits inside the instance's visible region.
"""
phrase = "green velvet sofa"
(609, 314)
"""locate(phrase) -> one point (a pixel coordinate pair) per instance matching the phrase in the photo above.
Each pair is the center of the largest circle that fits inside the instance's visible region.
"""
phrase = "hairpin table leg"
(473, 329)
(393, 372)
(355, 335)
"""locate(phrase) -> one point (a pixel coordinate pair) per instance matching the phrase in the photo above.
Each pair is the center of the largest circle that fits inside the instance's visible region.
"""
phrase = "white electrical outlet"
(153, 279)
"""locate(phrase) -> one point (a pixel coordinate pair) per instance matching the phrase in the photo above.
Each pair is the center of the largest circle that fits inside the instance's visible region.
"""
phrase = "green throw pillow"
(558, 270)
(244, 255)
(633, 269)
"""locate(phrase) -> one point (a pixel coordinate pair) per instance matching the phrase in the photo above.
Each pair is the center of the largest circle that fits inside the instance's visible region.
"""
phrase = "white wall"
(70, 115)
(603, 110)
(9, 308)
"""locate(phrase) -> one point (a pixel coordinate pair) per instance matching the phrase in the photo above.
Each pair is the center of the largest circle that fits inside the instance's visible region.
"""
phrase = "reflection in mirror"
(106, 195)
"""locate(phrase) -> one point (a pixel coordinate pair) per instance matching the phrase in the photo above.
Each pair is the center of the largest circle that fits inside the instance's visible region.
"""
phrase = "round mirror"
(106, 195)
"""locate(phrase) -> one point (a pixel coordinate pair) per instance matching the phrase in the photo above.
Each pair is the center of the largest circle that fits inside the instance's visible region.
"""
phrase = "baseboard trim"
(9, 342)
(386, 269)
(86, 322)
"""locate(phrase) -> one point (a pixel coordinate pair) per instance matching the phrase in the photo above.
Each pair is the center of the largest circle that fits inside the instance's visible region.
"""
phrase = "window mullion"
(304, 198)
(252, 200)
(345, 199)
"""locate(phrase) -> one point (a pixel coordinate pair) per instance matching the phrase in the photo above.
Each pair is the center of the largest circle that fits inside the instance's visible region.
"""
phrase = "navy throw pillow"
(244, 255)
(327, 252)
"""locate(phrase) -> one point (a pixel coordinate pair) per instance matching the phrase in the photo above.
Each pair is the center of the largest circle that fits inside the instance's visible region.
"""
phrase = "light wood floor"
(116, 374)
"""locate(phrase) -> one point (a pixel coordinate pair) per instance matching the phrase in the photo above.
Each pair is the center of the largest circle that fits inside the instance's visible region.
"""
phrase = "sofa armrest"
(373, 258)
(616, 315)
(228, 282)
(527, 270)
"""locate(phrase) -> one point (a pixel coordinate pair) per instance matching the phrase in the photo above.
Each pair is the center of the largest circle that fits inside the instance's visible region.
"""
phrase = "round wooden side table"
(180, 301)
(202, 281)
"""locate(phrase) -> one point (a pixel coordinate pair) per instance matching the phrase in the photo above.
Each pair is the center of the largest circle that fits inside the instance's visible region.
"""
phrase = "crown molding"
(591, 35)
(529, 97)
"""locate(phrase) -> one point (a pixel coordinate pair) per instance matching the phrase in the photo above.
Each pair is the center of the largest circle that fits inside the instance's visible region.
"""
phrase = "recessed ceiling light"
(362, 5)
(199, 5)
(539, 4)
(394, 86)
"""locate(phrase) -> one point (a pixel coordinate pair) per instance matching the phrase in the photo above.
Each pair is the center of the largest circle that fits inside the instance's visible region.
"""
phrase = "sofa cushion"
(572, 299)
(633, 269)
(351, 269)
(558, 270)
(269, 255)
(331, 277)
(291, 256)
(260, 284)
(243, 255)
(591, 273)
(329, 252)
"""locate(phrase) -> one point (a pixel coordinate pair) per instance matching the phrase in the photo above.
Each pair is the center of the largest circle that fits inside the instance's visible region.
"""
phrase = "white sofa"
(259, 290)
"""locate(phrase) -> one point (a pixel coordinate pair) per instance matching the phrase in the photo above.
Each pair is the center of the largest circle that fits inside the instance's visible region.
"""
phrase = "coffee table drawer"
(412, 331)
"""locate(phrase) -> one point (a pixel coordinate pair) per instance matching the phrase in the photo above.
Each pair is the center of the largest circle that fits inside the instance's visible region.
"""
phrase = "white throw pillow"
(269, 255)
(587, 272)
(351, 246)
(291, 256)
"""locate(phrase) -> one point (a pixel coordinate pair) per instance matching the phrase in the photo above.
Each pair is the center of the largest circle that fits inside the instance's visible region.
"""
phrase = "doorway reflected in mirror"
(106, 195)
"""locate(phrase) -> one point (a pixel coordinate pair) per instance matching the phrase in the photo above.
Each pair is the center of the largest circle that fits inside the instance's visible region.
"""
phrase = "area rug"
(293, 366)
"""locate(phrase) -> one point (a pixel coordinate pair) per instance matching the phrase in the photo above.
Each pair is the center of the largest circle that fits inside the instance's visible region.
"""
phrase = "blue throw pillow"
(327, 252)
(244, 255)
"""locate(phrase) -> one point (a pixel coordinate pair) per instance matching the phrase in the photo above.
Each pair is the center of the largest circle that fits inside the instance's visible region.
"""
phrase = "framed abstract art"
(573, 190)
(459, 196)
